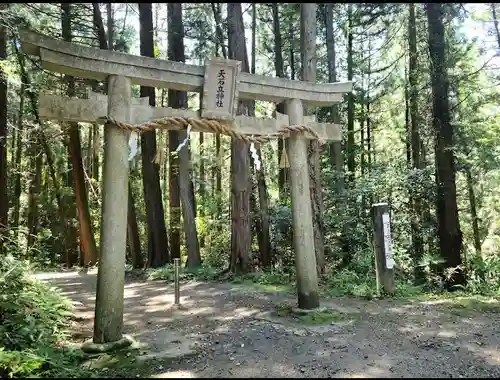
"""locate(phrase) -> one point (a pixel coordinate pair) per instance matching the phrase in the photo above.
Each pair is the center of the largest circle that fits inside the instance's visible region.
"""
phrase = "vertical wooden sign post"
(382, 243)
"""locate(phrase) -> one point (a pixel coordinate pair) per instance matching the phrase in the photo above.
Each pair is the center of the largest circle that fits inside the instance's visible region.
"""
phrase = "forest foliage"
(420, 132)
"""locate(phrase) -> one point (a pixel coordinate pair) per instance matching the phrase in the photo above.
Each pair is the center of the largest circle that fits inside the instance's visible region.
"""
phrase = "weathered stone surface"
(108, 321)
(53, 107)
(305, 259)
(87, 62)
(165, 344)
(91, 347)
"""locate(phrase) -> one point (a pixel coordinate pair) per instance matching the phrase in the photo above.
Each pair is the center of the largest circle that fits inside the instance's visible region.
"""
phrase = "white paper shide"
(386, 226)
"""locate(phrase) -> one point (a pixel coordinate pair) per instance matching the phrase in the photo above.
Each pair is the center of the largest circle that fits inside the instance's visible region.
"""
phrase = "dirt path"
(232, 337)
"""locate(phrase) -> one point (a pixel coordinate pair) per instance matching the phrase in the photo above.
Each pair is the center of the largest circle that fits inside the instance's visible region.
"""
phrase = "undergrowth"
(355, 280)
(346, 282)
(34, 321)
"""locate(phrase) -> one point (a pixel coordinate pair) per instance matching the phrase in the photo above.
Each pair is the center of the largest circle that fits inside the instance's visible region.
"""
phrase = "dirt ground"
(233, 335)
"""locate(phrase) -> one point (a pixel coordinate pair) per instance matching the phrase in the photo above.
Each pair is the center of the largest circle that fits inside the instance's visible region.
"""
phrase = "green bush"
(484, 275)
(34, 320)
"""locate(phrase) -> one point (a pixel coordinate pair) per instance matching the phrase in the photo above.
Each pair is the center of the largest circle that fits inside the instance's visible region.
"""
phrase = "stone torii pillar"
(222, 85)
(303, 234)
(110, 276)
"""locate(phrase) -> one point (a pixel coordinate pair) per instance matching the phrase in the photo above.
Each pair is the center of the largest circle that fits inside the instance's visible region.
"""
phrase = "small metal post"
(177, 300)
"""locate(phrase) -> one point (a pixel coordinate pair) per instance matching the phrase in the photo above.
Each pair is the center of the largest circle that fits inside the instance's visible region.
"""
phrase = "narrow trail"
(225, 324)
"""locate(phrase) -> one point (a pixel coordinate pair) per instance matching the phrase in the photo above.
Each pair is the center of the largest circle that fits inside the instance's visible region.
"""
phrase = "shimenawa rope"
(202, 124)
(215, 126)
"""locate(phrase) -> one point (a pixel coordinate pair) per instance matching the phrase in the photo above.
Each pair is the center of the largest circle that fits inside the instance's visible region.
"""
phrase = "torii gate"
(222, 84)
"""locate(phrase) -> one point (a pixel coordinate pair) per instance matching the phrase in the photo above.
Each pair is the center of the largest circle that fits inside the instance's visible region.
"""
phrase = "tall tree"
(351, 159)
(107, 43)
(174, 200)
(4, 204)
(17, 160)
(263, 236)
(111, 25)
(335, 149)
(417, 241)
(450, 235)
(309, 63)
(240, 201)
(104, 43)
(278, 68)
(71, 233)
(87, 239)
(495, 22)
(178, 99)
(174, 195)
(158, 253)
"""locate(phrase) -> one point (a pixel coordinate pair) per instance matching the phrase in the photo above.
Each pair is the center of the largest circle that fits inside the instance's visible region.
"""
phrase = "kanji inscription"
(219, 96)
(220, 90)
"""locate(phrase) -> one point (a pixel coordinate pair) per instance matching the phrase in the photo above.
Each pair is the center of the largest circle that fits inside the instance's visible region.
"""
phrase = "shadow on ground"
(230, 329)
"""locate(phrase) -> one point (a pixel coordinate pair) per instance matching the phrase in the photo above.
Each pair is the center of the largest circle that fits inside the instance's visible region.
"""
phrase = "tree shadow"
(389, 338)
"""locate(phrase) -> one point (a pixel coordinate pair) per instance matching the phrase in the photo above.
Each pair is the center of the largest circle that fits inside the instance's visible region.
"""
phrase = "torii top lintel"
(87, 62)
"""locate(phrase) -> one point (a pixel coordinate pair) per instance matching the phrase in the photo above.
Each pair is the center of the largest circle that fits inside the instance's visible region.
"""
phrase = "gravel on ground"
(236, 332)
